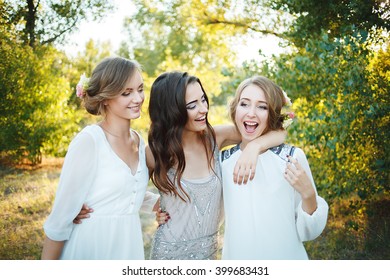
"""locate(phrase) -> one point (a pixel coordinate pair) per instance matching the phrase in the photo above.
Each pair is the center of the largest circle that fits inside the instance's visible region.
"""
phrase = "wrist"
(309, 194)
(256, 146)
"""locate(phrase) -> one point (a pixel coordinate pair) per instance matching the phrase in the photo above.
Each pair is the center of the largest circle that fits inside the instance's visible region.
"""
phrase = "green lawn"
(26, 196)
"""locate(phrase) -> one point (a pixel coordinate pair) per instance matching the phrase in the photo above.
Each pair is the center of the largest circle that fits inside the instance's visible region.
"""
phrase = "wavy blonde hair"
(273, 95)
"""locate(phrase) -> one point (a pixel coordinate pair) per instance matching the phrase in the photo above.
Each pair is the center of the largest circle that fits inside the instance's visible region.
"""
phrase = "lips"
(250, 127)
(134, 108)
(201, 119)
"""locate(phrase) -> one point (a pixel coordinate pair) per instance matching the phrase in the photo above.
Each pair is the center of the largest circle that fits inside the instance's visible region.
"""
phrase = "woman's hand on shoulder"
(245, 167)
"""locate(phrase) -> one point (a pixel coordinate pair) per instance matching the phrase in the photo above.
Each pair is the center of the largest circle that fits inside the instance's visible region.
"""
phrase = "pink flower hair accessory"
(82, 86)
(287, 116)
(288, 119)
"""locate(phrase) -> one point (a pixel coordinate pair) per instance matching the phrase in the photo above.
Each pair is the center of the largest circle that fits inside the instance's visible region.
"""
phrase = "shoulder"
(284, 150)
(87, 132)
(138, 137)
(92, 130)
(225, 154)
(150, 162)
(84, 144)
(87, 137)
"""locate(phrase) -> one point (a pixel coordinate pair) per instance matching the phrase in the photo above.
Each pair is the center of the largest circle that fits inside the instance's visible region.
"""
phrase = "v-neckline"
(118, 157)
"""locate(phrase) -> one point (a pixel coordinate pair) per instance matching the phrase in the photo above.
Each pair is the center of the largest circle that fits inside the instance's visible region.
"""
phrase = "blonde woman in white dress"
(271, 216)
(105, 168)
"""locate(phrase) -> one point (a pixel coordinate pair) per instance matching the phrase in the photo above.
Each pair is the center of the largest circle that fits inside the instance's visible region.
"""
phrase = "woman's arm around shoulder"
(226, 134)
(245, 168)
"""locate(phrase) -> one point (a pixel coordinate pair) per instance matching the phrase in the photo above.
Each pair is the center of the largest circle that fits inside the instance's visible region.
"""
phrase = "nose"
(138, 97)
(252, 111)
(204, 108)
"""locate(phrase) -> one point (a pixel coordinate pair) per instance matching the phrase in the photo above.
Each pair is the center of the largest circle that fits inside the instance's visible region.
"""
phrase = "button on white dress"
(94, 174)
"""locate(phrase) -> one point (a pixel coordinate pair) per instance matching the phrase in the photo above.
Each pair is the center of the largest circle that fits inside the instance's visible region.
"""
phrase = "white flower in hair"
(287, 99)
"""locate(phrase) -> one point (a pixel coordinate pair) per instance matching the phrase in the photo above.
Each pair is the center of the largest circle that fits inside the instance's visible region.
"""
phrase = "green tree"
(342, 109)
(336, 18)
(36, 82)
(49, 21)
(195, 36)
(35, 116)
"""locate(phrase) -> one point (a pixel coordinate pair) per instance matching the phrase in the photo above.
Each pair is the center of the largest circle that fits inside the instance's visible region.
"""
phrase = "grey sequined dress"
(192, 231)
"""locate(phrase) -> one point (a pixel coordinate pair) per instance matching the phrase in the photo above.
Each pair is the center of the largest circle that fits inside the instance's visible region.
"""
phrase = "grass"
(26, 196)
(353, 233)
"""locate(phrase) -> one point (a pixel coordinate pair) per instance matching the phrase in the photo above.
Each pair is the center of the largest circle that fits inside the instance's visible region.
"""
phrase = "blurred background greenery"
(334, 64)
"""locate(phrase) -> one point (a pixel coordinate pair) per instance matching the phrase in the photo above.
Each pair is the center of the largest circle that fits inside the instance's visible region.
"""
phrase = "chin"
(249, 138)
(133, 117)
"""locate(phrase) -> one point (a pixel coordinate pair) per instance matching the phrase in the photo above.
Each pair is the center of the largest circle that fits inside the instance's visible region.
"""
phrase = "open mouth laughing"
(250, 127)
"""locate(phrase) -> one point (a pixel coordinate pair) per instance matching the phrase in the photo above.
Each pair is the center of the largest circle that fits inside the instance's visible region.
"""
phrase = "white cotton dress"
(93, 174)
(264, 219)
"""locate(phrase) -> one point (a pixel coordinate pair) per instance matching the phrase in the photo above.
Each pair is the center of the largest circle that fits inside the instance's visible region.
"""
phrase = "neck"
(243, 144)
(115, 129)
(189, 138)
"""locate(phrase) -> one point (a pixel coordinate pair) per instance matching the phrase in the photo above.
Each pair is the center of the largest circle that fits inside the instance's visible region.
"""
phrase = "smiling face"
(128, 103)
(251, 116)
(197, 108)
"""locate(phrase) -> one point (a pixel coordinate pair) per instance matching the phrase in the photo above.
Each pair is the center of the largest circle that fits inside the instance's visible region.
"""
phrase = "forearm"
(309, 201)
(270, 139)
(52, 249)
(226, 135)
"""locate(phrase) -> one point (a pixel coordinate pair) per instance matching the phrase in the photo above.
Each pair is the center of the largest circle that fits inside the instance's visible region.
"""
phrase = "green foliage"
(354, 231)
(342, 109)
(178, 34)
(339, 83)
(334, 17)
(37, 112)
(35, 116)
(45, 22)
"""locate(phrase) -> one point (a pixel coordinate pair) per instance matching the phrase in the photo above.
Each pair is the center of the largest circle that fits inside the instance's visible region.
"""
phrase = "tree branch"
(212, 20)
(59, 34)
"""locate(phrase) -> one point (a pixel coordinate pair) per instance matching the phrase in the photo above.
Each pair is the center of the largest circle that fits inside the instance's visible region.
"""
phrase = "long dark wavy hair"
(168, 115)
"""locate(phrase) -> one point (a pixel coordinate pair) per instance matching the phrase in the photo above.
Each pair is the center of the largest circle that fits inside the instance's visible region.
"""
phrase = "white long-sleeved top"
(94, 174)
(264, 219)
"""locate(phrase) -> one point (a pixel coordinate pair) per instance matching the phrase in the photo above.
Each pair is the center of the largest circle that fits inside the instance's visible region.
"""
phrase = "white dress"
(264, 219)
(92, 173)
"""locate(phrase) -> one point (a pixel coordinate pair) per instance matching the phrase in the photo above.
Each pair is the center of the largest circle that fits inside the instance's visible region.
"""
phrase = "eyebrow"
(194, 101)
(247, 99)
(141, 85)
